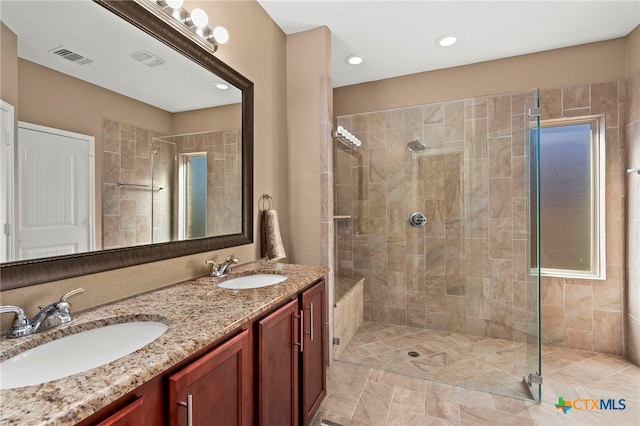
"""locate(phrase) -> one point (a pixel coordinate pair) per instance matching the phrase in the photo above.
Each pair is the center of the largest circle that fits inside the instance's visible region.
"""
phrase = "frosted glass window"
(196, 197)
(571, 205)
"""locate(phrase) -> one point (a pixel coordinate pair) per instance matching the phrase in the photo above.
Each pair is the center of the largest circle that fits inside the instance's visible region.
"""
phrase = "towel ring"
(266, 201)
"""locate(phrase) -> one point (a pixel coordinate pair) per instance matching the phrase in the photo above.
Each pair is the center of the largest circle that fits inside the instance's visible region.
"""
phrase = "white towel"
(272, 246)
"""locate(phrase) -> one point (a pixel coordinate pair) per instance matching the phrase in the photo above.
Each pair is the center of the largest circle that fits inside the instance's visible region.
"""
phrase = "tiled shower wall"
(588, 314)
(632, 317)
(418, 278)
(465, 270)
(224, 176)
(127, 209)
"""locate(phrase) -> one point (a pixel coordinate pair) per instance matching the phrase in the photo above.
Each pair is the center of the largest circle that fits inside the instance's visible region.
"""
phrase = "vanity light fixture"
(195, 22)
(198, 18)
(446, 40)
(354, 59)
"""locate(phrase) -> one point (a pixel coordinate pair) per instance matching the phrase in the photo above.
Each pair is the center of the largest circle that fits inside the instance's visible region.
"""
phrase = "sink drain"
(413, 354)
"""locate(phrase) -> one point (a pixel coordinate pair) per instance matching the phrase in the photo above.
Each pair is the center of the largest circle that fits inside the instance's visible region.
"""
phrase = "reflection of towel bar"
(137, 185)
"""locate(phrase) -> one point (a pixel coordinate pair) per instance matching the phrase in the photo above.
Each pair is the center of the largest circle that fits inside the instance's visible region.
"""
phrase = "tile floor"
(372, 395)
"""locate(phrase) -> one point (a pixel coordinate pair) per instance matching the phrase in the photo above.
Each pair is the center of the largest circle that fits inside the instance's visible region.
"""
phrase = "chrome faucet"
(52, 315)
(218, 270)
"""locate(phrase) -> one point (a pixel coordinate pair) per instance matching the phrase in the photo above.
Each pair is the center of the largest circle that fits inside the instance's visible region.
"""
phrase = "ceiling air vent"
(71, 56)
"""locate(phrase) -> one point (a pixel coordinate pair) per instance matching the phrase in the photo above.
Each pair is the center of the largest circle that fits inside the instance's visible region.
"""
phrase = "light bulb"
(340, 129)
(175, 4)
(199, 18)
(221, 35)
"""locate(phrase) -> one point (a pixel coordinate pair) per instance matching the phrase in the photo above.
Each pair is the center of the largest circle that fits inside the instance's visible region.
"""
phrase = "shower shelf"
(341, 216)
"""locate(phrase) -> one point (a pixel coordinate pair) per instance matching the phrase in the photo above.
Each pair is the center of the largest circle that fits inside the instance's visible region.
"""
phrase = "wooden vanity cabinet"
(133, 414)
(313, 378)
(216, 388)
(272, 372)
(290, 360)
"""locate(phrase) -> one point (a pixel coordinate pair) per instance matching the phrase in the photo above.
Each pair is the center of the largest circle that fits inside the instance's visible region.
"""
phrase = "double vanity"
(252, 353)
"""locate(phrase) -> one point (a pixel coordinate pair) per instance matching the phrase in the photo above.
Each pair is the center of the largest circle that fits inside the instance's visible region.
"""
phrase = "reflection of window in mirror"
(572, 227)
(193, 195)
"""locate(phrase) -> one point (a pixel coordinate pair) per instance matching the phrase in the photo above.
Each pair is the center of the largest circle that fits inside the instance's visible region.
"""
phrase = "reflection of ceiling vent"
(147, 58)
(71, 56)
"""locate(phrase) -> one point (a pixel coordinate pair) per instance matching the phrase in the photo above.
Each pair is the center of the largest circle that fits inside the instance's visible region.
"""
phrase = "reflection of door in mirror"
(6, 180)
(55, 192)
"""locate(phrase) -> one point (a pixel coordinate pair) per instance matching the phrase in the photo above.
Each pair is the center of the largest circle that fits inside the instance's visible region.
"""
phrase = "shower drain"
(413, 354)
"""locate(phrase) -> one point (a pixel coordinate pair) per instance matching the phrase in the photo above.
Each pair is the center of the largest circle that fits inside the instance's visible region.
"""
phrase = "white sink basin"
(253, 281)
(78, 352)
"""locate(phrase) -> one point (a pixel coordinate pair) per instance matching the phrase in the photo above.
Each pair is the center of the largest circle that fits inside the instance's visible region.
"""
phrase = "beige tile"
(374, 404)
(476, 138)
(453, 121)
(500, 198)
(552, 291)
(499, 113)
(608, 334)
(579, 339)
(604, 100)
(579, 302)
(499, 157)
(478, 416)
(553, 330)
(576, 97)
(433, 114)
(551, 103)
(442, 401)
(408, 400)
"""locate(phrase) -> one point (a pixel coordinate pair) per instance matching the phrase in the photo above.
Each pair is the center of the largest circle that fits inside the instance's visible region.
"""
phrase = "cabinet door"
(131, 415)
(215, 389)
(277, 359)
(314, 381)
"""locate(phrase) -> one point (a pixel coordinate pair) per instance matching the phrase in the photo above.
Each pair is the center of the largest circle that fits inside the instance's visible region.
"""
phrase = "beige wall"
(309, 125)
(257, 50)
(585, 64)
(633, 52)
(8, 66)
(207, 120)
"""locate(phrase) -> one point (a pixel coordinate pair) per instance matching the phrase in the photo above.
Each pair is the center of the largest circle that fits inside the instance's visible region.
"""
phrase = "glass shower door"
(533, 362)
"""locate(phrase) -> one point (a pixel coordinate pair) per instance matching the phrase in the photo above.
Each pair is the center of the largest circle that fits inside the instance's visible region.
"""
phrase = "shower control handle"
(417, 219)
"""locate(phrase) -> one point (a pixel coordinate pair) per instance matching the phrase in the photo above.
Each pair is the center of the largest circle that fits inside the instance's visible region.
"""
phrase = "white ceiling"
(399, 37)
(93, 32)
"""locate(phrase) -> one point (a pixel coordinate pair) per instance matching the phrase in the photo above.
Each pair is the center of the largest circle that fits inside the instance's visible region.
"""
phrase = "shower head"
(416, 145)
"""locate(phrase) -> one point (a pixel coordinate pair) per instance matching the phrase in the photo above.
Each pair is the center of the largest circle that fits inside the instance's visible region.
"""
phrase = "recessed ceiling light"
(446, 40)
(222, 86)
(354, 59)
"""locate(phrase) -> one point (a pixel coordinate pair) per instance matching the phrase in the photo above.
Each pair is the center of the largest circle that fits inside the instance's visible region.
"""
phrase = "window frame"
(598, 194)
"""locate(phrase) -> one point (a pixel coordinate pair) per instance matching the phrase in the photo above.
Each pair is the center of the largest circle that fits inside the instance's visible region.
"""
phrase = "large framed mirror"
(160, 152)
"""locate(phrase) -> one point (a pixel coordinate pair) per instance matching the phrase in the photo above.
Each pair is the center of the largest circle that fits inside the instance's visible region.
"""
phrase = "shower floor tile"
(485, 364)
(463, 380)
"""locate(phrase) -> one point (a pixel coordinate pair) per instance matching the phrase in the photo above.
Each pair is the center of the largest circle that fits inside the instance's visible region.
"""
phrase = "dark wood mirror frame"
(30, 272)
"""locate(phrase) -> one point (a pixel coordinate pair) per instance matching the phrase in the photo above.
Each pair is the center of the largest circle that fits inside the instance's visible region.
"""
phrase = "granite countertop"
(198, 313)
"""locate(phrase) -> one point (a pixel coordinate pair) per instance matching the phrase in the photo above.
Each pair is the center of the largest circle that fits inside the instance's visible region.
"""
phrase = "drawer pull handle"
(310, 333)
(189, 405)
(301, 331)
